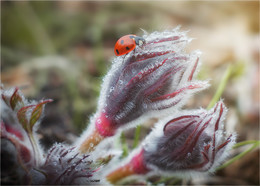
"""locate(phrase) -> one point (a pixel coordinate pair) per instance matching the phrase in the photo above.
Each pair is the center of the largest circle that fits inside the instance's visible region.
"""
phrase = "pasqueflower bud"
(24, 152)
(191, 142)
(194, 141)
(64, 165)
(61, 165)
(146, 82)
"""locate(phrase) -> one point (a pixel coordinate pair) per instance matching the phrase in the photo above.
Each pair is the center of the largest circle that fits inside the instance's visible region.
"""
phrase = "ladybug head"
(139, 41)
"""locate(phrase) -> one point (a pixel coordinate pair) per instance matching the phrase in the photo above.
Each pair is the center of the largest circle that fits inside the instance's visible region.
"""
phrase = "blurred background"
(62, 49)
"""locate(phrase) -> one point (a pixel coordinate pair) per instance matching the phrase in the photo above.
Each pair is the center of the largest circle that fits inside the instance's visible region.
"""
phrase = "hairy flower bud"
(150, 81)
(191, 142)
(18, 120)
(24, 154)
(152, 78)
(65, 166)
(194, 141)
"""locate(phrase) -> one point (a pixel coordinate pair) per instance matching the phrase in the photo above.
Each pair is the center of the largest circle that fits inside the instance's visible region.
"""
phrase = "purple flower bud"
(194, 141)
(64, 165)
(155, 77)
(24, 152)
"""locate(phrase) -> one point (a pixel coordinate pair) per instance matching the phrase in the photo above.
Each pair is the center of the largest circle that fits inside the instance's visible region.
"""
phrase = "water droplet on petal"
(111, 89)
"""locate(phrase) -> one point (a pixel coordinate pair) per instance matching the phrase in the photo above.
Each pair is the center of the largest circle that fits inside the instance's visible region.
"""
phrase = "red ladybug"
(128, 43)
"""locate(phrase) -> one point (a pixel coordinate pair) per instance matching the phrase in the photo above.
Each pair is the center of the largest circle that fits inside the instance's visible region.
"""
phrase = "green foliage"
(255, 144)
(221, 87)
(124, 145)
(15, 99)
(37, 112)
(137, 136)
(22, 117)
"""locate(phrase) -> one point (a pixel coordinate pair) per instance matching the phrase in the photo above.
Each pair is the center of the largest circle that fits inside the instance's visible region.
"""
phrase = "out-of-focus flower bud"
(147, 82)
(192, 142)
(18, 120)
(64, 165)
(61, 165)
(24, 153)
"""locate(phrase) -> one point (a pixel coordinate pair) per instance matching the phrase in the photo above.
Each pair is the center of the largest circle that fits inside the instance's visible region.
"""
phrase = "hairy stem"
(120, 173)
(90, 143)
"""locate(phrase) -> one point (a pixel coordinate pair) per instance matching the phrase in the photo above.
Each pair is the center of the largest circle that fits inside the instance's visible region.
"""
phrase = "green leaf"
(221, 87)
(15, 99)
(124, 145)
(254, 144)
(137, 136)
(21, 115)
(36, 113)
(34, 117)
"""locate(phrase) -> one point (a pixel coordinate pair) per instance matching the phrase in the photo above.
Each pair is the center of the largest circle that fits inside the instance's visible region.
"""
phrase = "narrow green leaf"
(124, 145)
(36, 113)
(242, 154)
(137, 136)
(243, 143)
(15, 99)
(221, 87)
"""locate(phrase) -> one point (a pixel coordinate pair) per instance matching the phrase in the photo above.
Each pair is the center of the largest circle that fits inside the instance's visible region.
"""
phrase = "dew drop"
(111, 89)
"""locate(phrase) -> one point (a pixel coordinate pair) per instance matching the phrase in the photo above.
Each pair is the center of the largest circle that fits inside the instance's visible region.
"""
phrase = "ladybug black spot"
(127, 48)
(117, 51)
(122, 41)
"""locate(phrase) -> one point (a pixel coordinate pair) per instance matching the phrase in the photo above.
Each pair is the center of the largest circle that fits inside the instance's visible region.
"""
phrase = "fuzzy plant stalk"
(185, 144)
(151, 81)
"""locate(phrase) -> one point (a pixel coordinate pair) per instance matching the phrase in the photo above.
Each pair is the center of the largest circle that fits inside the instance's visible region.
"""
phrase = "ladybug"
(127, 43)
